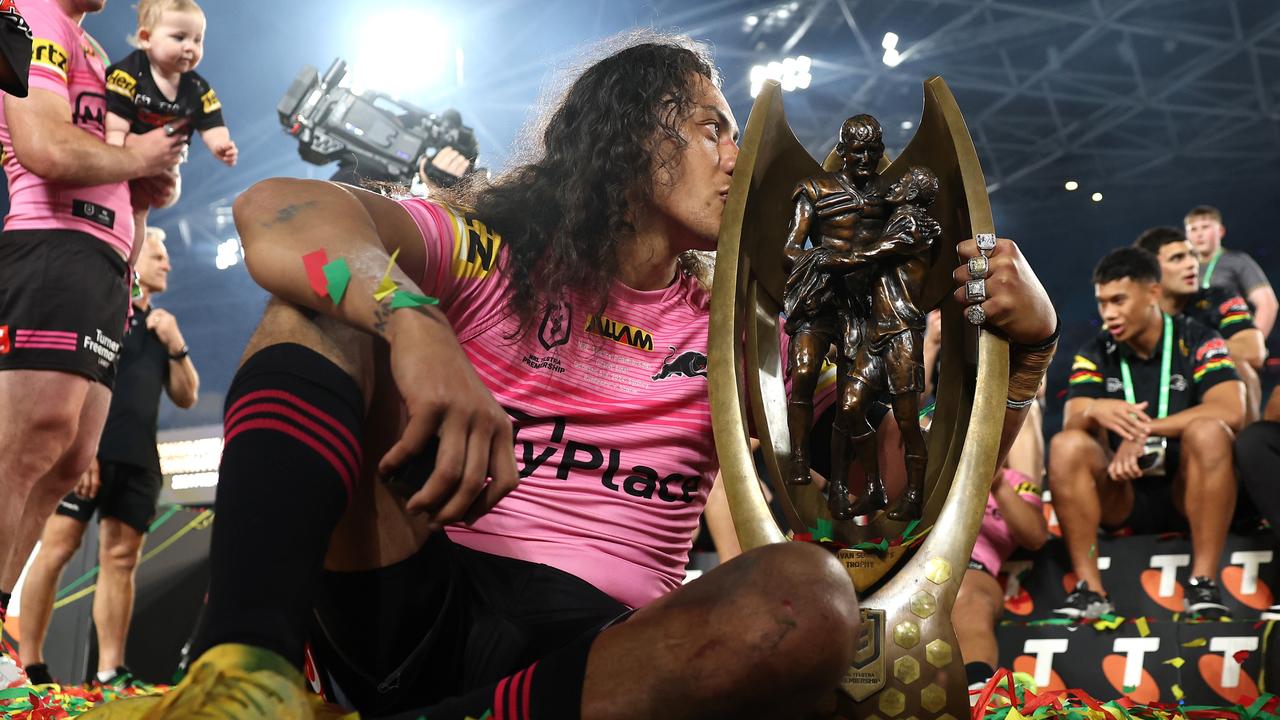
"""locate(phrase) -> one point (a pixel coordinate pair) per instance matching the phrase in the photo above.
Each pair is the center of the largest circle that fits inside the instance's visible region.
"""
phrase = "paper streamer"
(386, 286)
(337, 276)
(404, 299)
(314, 262)
(1143, 629)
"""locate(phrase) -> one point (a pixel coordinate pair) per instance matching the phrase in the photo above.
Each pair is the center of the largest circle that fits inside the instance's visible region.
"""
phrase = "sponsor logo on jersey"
(566, 457)
(475, 248)
(620, 332)
(50, 55)
(4, 339)
(1217, 347)
(90, 110)
(209, 101)
(122, 83)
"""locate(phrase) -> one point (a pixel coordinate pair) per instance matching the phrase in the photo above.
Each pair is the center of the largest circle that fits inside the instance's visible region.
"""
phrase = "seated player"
(1213, 306)
(1153, 404)
(553, 289)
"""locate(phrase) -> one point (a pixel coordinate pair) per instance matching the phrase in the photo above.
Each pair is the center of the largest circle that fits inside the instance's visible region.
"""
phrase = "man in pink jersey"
(572, 322)
(64, 280)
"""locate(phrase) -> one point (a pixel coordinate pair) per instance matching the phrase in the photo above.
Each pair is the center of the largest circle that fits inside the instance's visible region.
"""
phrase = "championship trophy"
(797, 234)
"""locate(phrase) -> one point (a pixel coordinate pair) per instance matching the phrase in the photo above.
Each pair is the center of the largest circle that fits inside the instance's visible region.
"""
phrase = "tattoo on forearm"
(381, 314)
(289, 212)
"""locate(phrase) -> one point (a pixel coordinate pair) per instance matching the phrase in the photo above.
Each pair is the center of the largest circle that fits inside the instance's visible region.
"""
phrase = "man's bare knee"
(807, 585)
(49, 433)
(1208, 440)
(1069, 451)
(58, 549)
(348, 348)
(119, 556)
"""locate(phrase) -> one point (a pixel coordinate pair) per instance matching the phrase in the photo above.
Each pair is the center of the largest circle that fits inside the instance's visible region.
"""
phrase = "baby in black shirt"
(157, 85)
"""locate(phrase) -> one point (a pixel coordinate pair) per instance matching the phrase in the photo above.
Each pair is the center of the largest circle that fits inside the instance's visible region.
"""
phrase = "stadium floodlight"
(792, 73)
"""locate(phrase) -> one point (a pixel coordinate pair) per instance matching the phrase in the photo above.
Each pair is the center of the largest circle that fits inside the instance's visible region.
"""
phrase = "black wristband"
(181, 354)
(1047, 342)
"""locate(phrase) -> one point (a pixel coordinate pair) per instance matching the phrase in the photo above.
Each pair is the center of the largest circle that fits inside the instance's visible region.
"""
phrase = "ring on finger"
(986, 243)
(975, 291)
(975, 314)
(979, 266)
(169, 130)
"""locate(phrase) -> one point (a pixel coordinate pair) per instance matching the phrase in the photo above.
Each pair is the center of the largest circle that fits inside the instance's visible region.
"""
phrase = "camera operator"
(1152, 407)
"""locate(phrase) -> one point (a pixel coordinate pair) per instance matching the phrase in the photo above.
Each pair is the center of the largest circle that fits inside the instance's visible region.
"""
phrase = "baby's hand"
(226, 152)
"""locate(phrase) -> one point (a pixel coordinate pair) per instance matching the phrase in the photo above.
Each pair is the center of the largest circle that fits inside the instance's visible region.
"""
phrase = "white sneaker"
(1271, 613)
(11, 673)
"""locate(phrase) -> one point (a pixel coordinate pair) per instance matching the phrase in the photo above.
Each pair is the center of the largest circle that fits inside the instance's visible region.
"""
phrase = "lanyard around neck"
(1208, 272)
(1166, 361)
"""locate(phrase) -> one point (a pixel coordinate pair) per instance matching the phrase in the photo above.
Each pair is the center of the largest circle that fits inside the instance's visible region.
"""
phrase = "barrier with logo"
(1201, 664)
(1144, 575)
(1157, 659)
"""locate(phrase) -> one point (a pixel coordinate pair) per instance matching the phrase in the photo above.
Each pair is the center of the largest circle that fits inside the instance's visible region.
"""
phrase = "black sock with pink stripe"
(290, 460)
(549, 689)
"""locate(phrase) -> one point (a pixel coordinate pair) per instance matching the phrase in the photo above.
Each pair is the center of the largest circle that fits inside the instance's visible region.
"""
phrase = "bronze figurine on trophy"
(857, 288)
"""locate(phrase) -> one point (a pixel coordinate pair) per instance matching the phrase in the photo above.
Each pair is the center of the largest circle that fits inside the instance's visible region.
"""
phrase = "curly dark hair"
(565, 212)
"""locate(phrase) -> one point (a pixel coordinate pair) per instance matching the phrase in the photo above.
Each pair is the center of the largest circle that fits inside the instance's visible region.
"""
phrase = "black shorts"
(64, 296)
(126, 492)
(1154, 510)
(443, 622)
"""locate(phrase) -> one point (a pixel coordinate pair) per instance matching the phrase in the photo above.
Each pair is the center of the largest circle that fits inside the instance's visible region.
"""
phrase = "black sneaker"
(1203, 601)
(38, 673)
(1085, 603)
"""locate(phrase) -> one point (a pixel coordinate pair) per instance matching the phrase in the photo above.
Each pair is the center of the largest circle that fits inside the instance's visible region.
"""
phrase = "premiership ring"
(169, 130)
(979, 266)
(986, 243)
(975, 291)
(975, 314)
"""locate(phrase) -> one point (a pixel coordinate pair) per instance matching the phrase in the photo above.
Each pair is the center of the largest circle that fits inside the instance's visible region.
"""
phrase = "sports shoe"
(38, 674)
(1085, 603)
(125, 684)
(1203, 601)
(1271, 613)
(11, 673)
(228, 681)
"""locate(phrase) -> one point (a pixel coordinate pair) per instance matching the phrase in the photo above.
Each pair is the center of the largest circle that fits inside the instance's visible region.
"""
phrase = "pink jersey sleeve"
(995, 541)
(461, 269)
(51, 45)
